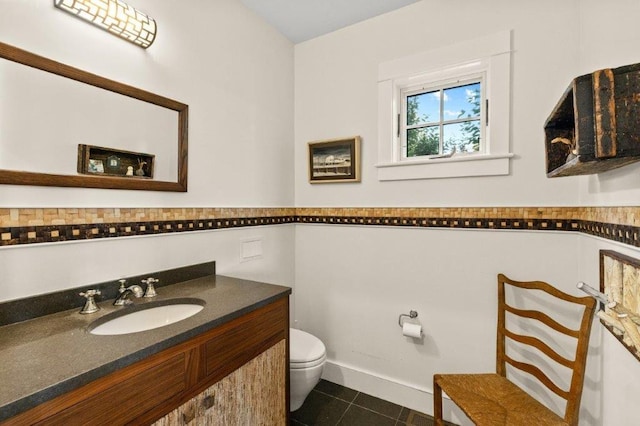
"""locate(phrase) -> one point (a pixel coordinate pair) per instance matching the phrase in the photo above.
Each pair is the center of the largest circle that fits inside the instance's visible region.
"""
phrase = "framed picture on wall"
(335, 160)
(95, 166)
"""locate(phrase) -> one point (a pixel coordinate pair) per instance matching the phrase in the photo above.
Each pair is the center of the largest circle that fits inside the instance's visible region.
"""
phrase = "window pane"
(465, 136)
(423, 141)
(462, 102)
(423, 108)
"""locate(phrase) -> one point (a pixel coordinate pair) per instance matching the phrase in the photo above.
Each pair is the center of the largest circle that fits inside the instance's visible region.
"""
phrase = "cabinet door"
(254, 394)
(238, 342)
(115, 400)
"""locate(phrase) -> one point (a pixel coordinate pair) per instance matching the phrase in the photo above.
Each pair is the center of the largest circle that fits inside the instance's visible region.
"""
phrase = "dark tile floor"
(330, 404)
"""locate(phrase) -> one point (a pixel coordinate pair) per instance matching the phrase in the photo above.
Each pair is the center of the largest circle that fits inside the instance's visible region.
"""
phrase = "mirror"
(47, 115)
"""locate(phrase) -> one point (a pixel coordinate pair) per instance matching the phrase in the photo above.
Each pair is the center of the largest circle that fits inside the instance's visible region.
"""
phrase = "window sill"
(437, 168)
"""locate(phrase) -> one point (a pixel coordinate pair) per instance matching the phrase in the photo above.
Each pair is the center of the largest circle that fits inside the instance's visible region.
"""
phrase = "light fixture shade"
(115, 16)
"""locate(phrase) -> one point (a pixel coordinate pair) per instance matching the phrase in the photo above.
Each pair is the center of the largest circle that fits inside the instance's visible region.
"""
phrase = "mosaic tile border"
(614, 215)
(77, 216)
(29, 226)
(438, 222)
(59, 233)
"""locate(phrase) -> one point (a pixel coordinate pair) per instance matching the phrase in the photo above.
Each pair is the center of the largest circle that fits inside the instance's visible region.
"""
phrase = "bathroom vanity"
(226, 365)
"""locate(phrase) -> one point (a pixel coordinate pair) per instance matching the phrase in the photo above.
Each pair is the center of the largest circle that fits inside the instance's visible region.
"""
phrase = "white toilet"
(307, 356)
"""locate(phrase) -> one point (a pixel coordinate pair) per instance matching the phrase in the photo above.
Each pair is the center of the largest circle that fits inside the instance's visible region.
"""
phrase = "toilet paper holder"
(411, 314)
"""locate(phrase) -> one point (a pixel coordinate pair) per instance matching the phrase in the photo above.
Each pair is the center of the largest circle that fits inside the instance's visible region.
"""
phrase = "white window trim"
(490, 54)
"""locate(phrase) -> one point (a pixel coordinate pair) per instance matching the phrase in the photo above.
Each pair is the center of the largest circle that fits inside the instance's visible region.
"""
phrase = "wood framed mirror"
(47, 115)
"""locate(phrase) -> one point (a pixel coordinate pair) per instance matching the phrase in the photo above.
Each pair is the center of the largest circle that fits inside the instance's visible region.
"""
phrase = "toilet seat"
(303, 365)
(305, 350)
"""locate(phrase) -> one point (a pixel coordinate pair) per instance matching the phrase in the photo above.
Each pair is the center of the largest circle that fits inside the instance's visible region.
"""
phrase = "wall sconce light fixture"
(115, 16)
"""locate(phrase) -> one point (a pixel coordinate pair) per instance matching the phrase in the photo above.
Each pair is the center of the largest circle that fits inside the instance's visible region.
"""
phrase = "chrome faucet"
(123, 297)
(150, 291)
(90, 305)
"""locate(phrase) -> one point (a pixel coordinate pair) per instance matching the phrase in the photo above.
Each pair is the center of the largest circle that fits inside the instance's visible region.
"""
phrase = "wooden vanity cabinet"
(232, 374)
(254, 394)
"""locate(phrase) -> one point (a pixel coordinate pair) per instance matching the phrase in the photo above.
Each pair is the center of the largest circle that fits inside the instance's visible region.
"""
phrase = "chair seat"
(492, 400)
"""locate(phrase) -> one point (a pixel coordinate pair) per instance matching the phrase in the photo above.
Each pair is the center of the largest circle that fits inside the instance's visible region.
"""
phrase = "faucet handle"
(90, 305)
(123, 286)
(90, 293)
(151, 290)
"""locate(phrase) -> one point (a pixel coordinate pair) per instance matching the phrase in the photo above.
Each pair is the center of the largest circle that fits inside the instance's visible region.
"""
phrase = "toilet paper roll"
(411, 330)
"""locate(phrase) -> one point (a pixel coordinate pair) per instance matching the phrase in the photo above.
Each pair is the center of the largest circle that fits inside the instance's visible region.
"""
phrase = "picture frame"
(95, 166)
(334, 160)
(619, 283)
(113, 163)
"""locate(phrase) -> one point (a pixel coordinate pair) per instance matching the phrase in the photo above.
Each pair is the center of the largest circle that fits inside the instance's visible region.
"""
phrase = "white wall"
(609, 38)
(231, 68)
(351, 283)
(43, 268)
(619, 369)
(336, 96)
(235, 72)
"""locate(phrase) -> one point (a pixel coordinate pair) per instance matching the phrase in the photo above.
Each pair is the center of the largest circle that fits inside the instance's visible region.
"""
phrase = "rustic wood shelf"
(595, 126)
(100, 161)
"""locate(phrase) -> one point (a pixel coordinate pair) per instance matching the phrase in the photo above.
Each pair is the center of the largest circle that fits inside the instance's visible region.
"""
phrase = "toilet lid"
(304, 347)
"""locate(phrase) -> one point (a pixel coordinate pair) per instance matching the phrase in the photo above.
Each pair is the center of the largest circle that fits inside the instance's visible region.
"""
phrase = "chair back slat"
(538, 374)
(548, 288)
(543, 318)
(581, 336)
(537, 343)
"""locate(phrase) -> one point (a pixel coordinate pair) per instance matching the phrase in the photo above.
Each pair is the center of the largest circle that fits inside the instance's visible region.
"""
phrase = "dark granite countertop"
(51, 355)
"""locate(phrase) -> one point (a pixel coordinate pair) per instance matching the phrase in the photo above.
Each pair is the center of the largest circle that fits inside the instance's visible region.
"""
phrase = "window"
(446, 113)
(442, 121)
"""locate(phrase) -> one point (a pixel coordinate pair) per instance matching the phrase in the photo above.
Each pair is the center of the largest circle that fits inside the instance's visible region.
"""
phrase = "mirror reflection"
(45, 116)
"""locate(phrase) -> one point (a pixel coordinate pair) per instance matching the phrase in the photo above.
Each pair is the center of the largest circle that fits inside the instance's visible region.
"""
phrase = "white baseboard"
(408, 395)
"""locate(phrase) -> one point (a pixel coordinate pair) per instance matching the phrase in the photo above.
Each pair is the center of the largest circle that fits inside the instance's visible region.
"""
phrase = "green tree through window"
(422, 141)
(454, 124)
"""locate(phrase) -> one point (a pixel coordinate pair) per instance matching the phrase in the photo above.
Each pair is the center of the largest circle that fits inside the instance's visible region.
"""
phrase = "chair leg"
(437, 402)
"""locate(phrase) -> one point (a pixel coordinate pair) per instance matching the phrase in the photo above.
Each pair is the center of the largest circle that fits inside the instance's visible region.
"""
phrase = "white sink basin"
(146, 317)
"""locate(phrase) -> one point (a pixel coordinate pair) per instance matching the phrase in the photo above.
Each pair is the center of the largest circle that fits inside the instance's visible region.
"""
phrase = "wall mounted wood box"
(595, 126)
(100, 161)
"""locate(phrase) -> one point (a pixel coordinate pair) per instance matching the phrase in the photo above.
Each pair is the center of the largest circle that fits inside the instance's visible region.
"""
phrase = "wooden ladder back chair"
(492, 399)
